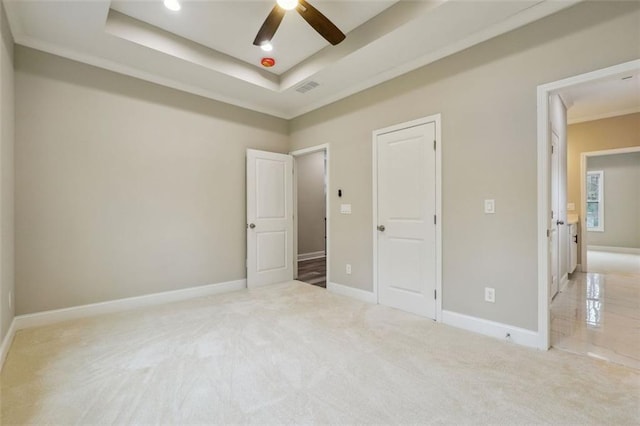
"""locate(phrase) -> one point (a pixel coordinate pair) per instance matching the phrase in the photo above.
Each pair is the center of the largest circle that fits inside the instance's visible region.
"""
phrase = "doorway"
(577, 314)
(610, 194)
(311, 215)
(406, 210)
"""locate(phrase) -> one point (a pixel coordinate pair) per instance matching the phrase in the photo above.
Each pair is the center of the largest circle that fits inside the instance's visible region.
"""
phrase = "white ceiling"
(230, 27)
(206, 48)
(610, 97)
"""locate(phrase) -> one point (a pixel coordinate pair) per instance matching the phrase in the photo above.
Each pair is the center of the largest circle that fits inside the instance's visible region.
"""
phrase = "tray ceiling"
(206, 48)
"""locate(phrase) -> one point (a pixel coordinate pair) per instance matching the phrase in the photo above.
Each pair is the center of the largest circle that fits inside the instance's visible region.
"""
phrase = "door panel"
(269, 218)
(271, 189)
(406, 208)
(271, 250)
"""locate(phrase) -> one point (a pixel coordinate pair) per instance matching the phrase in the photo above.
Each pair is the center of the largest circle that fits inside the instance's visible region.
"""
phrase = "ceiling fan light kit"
(288, 4)
(313, 16)
(172, 5)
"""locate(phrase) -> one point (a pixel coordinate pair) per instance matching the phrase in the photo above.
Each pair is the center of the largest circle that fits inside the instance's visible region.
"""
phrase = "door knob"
(560, 222)
(381, 228)
(252, 225)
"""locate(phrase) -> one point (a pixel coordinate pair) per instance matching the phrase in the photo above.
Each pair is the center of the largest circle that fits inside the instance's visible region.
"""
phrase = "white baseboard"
(354, 293)
(119, 305)
(498, 330)
(624, 250)
(312, 255)
(6, 343)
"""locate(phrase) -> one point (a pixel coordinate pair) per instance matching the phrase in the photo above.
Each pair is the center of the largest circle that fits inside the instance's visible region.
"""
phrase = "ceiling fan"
(317, 20)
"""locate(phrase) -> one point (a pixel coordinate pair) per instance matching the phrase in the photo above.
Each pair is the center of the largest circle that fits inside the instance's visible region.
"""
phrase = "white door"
(406, 176)
(269, 218)
(554, 237)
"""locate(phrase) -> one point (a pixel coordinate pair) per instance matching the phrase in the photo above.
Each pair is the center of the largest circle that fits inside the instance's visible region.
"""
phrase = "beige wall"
(487, 98)
(621, 200)
(123, 187)
(6, 176)
(311, 202)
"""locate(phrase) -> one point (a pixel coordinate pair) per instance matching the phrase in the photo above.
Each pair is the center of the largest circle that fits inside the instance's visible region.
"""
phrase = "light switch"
(489, 206)
(571, 206)
(345, 208)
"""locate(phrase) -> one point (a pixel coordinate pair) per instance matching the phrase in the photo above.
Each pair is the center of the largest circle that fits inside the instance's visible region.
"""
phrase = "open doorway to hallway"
(595, 312)
(311, 215)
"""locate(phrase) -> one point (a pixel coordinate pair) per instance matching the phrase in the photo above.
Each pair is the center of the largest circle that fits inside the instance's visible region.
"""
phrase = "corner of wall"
(7, 140)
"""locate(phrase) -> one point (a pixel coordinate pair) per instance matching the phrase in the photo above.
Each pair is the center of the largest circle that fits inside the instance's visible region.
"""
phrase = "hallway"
(598, 315)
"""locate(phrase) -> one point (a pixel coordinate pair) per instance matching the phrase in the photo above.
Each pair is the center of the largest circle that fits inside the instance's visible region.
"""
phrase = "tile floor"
(598, 315)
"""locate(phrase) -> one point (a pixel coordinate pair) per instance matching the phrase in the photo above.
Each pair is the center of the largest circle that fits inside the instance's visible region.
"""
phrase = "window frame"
(600, 201)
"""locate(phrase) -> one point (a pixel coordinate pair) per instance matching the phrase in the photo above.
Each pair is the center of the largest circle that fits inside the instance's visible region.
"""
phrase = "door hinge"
(434, 145)
(435, 294)
(435, 219)
(246, 263)
(548, 233)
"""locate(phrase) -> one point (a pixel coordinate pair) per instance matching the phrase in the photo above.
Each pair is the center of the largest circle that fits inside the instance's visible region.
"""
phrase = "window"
(595, 206)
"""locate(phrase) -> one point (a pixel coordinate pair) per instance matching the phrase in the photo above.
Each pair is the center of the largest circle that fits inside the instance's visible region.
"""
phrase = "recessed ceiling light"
(288, 4)
(266, 46)
(172, 5)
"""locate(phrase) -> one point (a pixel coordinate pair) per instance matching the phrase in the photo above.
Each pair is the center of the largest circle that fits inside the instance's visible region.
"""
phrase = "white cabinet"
(573, 247)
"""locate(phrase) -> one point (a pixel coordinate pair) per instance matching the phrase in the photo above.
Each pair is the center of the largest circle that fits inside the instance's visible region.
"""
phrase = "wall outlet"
(348, 269)
(490, 294)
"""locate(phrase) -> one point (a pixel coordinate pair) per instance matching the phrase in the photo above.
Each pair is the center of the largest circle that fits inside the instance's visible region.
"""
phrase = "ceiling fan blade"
(320, 23)
(270, 25)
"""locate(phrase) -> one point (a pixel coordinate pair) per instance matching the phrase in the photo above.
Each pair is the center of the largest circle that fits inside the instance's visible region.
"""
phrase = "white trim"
(518, 335)
(310, 150)
(563, 282)
(543, 93)
(119, 305)
(602, 116)
(352, 292)
(6, 343)
(326, 148)
(611, 249)
(584, 156)
(310, 256)
(437, 119)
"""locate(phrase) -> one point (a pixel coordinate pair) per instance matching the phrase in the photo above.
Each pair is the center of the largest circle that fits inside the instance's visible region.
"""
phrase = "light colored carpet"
(295, 353)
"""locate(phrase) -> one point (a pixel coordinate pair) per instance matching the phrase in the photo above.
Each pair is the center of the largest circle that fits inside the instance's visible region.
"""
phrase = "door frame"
(584, 157)
(436, 119)
(544, 91)
(297, 153)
